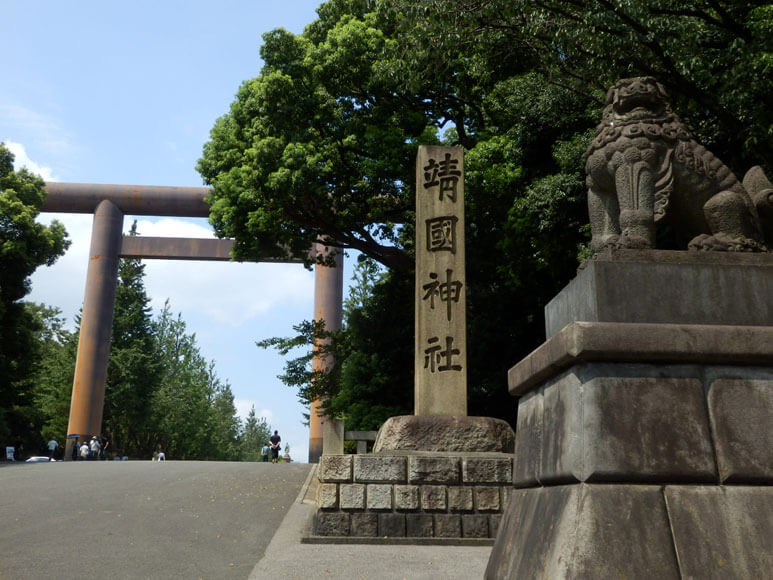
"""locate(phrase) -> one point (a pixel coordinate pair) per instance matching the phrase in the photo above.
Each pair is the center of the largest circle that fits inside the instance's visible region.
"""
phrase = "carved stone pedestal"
(644, 449)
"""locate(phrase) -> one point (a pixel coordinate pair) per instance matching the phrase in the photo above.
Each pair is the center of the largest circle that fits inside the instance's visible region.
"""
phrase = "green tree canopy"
(255, 434)
(134, 368)
(715, 57)
(321, 145)
(24, 246)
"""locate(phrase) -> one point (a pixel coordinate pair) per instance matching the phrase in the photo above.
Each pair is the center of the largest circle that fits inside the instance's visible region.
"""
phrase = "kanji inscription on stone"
(441, 343)
(441, 233)
(444, 174)
(448, 291)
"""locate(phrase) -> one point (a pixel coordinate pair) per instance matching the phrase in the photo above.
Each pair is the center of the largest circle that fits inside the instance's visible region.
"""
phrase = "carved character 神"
(645, 168)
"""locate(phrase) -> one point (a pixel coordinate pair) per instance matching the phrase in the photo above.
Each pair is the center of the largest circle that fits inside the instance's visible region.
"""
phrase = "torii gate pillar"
(328, 298)
(109, 203)
(88, 392)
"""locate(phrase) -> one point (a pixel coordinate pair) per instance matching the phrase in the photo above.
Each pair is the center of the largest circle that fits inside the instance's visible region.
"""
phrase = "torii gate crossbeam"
(109, 203)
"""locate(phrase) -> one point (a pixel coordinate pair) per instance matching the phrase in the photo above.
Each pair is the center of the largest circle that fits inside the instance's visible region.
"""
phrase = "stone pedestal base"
(635, 531)
(644, 446)
(444, 433)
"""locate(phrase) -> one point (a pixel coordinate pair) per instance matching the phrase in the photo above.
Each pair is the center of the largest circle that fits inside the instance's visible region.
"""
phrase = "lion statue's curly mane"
(645, 168)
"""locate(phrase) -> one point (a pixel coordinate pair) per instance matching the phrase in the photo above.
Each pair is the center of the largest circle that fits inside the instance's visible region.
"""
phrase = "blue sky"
(126, 92)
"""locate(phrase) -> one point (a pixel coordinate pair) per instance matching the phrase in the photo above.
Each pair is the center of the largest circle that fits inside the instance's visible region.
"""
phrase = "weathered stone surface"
(724, 289)
(722, 532)
(364, 524)
(646, 343)
(585, 531)
(335, 468)
(391, 525)
(460, 498)
(448, 526)
(423, 469)
(444, 433)
(406, 497)
(562, 443)
(331, 523)
(505, 493)
(332, 436)
(327, 495)
(487, 470)
(379, 468)
(475, 526)
(701, 200)
(487, 499)
(433, 497)
(741, 412)
(352, 496)
(528, 443)
(419, 525)
(495, 520)
(440, 381)
(627, 423)
(379, 496)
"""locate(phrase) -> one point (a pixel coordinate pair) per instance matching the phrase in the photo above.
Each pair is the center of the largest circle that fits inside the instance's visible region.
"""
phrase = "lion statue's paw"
(720, 242)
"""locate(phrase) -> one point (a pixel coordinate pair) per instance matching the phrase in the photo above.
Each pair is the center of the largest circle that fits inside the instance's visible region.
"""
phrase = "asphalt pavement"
(169, 520)
(141, 519)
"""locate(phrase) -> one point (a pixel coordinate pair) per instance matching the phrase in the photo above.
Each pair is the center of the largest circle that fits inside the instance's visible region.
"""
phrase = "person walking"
(84, 451)
(94, 448)
(265, 451)
(52, 445)
(275, 440)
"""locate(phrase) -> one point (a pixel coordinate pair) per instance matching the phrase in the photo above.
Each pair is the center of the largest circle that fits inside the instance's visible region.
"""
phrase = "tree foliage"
(134, 367)
(161, 393)
(255, 434)
(713, 56)
(24, 246)
(54, 377)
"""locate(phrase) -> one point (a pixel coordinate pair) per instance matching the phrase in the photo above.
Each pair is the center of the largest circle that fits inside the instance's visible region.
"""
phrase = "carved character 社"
(645, 168)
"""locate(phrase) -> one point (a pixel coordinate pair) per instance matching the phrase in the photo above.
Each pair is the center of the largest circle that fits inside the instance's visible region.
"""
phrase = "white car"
(38, 459)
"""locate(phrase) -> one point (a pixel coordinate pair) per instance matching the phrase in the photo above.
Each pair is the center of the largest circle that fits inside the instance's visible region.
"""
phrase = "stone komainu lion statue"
(645, 168)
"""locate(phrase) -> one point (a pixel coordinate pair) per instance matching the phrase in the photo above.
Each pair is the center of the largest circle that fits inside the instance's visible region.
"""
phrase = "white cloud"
(170, 228)
(23, 160)
(243, 407)
(228, 293)
(63, 284)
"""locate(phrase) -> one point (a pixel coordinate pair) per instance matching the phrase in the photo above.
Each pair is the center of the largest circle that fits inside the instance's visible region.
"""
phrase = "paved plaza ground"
(140, 519)
(212, 520)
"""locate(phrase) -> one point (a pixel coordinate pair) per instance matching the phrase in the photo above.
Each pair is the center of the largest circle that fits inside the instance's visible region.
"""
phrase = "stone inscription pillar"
(88, 391)
(328, 298)
(441, 344)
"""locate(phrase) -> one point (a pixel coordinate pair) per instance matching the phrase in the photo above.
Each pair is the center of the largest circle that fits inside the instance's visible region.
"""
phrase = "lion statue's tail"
(760, 189)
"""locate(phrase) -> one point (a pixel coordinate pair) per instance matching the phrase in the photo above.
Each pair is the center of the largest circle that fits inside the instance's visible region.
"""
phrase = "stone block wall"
(419, 494)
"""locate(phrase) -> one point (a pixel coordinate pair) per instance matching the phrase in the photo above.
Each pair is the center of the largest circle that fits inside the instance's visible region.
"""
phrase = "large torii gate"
(109, 203)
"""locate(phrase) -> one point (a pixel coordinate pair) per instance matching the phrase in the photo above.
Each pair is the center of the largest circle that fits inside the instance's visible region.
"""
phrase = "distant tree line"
(161, 392)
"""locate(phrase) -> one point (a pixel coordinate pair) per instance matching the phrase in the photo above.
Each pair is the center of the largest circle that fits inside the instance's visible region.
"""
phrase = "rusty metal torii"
(109, 203)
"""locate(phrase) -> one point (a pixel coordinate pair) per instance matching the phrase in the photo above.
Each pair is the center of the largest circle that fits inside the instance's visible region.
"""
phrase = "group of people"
(272, 447)
(93, 449)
